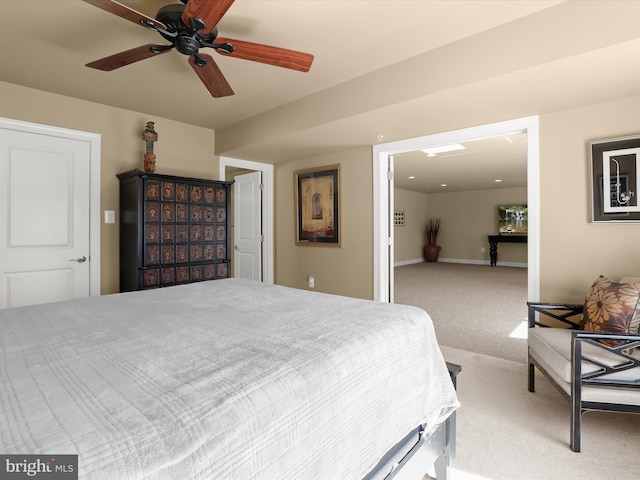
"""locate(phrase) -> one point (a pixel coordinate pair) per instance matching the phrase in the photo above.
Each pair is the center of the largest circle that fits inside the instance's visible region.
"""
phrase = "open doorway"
(383, 170)
(232, 166)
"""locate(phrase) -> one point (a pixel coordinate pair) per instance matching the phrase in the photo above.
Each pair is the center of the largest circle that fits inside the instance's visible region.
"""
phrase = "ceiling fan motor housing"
(171, 16)
(186, 45)
(188, 41)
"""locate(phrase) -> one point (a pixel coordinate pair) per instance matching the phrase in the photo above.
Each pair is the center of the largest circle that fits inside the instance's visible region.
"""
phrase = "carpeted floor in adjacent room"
(477, 308)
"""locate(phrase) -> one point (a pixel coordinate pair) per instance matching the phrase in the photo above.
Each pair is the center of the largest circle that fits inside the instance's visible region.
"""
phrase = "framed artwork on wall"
(317, 197)
(614, 180)
(513, 219)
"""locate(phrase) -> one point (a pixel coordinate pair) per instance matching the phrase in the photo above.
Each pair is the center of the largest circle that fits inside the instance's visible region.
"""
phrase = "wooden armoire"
(173, 230)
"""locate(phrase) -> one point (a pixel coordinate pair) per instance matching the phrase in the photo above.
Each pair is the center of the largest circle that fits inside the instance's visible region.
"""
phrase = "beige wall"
(181, 149)
(573, 251)
(468, 217)
(409, 240)
(347, 270)
(466, 220)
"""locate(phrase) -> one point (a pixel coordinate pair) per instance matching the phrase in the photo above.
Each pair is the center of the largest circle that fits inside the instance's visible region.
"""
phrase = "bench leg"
(576, 414)
(532, 377)
(576, 394)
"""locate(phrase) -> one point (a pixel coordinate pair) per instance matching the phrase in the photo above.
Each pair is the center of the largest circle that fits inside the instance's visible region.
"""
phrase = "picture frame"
(615, 180)
(513, 219)
(317, 206)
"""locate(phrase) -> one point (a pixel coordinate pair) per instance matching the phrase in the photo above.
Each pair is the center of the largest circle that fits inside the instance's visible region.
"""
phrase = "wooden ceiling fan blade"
(125, 12)
(279, 57)
(209, 11)
(211, 76)
(127, 57)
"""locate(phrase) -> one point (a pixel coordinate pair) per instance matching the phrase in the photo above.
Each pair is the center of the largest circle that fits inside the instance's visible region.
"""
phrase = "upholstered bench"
(590, 352)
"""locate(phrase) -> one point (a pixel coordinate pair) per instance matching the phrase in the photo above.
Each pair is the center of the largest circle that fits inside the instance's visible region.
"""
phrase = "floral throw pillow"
(635, 321)
(610, 307)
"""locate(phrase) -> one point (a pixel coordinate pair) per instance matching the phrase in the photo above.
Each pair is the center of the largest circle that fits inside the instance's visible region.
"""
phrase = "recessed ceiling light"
(497, 180)
(443, 185)
(411, 177)
(379, 137)
(442, 149)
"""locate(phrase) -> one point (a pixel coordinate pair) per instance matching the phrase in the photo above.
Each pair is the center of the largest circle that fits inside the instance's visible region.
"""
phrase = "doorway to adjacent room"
(384, 202)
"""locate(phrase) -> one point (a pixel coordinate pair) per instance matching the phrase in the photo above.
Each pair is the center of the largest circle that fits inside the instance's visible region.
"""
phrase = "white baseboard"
(463, 260)
(482, 262)
(408, 262)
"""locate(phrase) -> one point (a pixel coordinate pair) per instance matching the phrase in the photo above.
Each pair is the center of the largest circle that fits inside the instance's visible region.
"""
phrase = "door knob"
(81, 259)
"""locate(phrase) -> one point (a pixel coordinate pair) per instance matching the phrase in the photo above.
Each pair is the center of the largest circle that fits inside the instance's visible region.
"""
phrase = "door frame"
(383, 196)
(93, 139)
(267, 208)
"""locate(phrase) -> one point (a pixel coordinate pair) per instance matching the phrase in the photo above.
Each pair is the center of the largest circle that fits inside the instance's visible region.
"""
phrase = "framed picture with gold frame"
(317, 199)
(615, 180)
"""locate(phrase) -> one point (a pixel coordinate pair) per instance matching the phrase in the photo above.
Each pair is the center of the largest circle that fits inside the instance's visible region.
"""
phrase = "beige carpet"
(505, 432)
(473, 307)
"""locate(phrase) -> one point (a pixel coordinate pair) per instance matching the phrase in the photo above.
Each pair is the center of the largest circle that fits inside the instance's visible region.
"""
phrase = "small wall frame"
(615, 180)
(317, 198)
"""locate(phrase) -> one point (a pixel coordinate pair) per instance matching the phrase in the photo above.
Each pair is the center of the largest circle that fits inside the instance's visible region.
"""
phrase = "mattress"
(221, 379)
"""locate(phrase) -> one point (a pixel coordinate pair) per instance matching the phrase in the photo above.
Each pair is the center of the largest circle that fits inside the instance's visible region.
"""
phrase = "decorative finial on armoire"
(150, 136)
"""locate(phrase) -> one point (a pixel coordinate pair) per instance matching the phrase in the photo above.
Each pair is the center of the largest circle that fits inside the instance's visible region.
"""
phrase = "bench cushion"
(551, 348)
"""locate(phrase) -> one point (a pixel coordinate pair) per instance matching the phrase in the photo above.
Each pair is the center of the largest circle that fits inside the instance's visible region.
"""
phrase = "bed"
(223, 379)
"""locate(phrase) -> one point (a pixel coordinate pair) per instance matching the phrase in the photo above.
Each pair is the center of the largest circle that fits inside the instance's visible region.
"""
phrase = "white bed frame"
(437, 449)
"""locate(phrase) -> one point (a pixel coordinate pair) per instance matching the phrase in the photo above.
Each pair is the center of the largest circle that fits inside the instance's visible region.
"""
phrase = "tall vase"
(431, 253)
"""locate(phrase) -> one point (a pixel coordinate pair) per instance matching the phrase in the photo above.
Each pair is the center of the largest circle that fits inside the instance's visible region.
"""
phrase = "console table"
(507, 238)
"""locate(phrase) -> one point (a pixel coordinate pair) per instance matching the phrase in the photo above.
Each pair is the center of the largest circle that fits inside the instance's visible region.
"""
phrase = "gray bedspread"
(221, 379)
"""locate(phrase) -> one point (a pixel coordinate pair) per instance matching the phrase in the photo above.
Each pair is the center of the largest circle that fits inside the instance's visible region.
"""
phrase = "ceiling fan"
(190, 26)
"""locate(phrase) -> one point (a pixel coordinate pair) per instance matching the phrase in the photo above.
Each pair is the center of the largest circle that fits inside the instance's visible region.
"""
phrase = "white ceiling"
(477, 167)
(396, 68)
(48, 42)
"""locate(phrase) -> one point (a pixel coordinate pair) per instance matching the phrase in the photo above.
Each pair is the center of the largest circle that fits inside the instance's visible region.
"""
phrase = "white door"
(44, 218)
(247, 204)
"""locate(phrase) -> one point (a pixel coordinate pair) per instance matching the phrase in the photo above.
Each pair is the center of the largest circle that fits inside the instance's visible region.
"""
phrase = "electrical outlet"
(312, 281)
(483, 249)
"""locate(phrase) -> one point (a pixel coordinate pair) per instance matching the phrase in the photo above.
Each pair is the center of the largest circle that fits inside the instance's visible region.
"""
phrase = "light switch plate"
(109, 216)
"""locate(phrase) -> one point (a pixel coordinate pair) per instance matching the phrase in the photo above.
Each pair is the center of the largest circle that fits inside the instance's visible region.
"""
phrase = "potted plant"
(432, 249)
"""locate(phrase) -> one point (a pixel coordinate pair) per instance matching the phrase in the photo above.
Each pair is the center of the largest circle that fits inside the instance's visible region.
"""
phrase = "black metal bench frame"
(539, 316)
